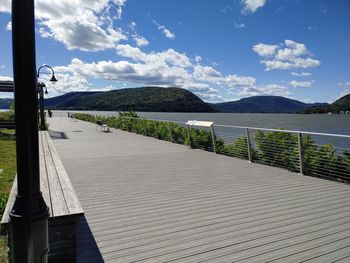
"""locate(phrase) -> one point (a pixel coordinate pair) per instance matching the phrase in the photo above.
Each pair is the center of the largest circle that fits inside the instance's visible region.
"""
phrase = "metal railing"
(309, 153)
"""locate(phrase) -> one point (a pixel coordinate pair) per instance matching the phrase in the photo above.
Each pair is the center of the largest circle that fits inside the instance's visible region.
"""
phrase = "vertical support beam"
(213, 137)
(170, 132)
(249, 145)
(189, 136)
(29, 215)
(301, 153)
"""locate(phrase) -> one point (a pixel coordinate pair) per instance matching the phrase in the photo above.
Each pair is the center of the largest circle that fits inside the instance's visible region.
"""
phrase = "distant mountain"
(342, 104)
(263, 104)
(133, 99)
(5, 103)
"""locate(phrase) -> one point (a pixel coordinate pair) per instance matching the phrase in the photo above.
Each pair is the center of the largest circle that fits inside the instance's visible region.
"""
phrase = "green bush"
(8, 116)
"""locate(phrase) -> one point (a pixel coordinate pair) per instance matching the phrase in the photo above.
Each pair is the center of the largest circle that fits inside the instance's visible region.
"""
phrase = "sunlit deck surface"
(147, 200)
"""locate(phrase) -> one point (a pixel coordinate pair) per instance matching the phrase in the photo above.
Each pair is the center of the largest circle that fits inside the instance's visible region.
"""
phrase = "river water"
(335, 123)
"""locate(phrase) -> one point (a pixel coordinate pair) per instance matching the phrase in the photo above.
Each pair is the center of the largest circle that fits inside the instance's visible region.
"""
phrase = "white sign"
(200, 123)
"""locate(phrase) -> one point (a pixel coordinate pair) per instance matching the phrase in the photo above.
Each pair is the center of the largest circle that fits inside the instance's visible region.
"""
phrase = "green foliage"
(238, 148)
(7, 168)
(272, 148)
(277, 149)
(8, 116)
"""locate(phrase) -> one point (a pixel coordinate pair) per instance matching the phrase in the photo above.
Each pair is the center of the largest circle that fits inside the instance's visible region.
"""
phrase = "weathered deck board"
(147, 200)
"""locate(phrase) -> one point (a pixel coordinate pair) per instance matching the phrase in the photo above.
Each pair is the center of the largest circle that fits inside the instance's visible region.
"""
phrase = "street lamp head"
(53, 78)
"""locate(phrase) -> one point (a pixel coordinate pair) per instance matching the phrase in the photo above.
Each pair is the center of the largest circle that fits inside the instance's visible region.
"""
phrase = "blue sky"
(220, 50)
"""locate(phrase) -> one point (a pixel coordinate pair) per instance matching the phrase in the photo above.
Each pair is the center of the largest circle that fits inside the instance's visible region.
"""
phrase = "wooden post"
(301, 153)
(249, 146)
(213, 137)
(170, 132)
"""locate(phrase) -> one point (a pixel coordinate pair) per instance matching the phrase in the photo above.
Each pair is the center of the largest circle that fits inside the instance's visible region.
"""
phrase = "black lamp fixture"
(41, 92)
(53, 78)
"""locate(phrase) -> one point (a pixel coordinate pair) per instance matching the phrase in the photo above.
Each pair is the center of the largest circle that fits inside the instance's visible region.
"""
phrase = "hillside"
(342, 104)
(263, 104)
(134, 99)
(5, 103)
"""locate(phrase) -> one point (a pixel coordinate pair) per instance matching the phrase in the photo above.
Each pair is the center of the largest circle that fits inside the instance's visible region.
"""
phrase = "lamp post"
(29, 214)
(41, 92)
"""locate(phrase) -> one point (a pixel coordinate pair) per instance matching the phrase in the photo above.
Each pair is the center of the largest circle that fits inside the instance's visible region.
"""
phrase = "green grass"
(7, 175)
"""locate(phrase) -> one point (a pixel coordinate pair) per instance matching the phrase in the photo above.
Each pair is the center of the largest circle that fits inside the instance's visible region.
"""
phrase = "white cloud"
(140, 41)
(240, 25)
(78, 24)
(6, 78)
(198, 59)
(301, 84)
(265, 50)
(344, 84)
(301, 74)
(9, 26)
(270, 89)
(289, 55)
(250, 6)
(2, 67)
(209, 74)
(165, 31)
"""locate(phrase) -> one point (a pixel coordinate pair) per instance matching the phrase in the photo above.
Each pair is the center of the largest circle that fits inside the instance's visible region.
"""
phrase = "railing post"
(213, 137)
(249, 145)
(301, 153)
(189, 135)
(170, 132)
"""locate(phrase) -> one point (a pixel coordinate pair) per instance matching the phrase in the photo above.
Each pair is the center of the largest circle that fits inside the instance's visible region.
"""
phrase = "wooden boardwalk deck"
(147, 200)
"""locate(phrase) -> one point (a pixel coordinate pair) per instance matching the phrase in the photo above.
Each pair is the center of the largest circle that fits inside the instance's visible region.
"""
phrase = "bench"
(60, 197)
(103, 127)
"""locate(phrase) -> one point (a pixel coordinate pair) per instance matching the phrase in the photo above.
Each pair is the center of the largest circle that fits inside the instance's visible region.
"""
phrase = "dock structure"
(147, 200)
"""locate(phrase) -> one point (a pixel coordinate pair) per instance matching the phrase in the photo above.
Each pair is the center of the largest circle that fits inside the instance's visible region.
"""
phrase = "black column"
(30, 213)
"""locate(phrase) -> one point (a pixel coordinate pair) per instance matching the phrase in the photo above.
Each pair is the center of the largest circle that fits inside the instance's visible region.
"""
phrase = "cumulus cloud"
(6, 78)
(209, 74)
(301, 74)
(140, 41)
(289, 55)
(165, 68)
(301, 84)
(9, 26)
(80, 24)
(167, 33)
(250, 6)
(270, 89)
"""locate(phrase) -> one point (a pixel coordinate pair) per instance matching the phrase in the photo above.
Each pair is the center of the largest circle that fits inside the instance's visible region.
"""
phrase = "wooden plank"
(5, 217)
(71, 199)
(59, 207)
(44, 183)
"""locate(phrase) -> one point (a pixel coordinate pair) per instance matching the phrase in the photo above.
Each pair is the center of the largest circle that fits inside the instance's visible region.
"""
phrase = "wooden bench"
(60, 197)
